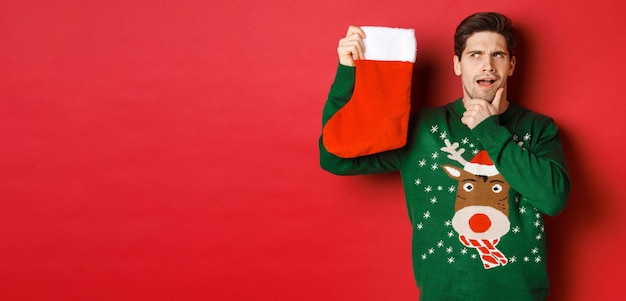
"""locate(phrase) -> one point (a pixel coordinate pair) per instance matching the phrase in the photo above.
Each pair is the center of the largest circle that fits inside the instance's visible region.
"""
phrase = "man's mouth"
(486, 82)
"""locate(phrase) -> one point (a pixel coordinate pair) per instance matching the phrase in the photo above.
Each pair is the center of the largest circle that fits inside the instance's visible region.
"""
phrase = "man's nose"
(488, 64)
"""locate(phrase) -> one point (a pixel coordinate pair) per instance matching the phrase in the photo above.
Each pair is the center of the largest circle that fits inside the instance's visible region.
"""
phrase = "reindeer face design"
(481, 190)
(481, 207)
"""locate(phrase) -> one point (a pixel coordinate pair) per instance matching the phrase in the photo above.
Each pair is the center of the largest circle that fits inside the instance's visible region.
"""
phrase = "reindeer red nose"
(479, 223)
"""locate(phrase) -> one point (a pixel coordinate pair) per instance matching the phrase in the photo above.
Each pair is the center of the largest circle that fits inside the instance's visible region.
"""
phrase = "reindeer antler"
(454, 154)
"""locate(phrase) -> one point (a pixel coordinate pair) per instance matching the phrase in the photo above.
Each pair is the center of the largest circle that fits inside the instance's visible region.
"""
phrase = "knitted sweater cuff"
(490, 133)
(344, 80)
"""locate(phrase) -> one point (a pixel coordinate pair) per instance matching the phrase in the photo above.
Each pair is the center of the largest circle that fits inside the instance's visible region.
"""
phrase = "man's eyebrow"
(504, 52)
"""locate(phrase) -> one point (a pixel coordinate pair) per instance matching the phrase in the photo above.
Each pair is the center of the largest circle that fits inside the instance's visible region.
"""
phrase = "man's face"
(484, 66)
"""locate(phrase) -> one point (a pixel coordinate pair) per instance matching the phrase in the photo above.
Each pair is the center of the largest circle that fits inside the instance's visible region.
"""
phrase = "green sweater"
(471, 239)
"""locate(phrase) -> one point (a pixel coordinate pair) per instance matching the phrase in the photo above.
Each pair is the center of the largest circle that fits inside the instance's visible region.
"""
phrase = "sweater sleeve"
(539, 173)
(340, 93)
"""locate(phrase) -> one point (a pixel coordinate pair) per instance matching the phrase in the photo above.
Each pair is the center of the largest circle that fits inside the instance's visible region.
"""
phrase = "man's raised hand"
(478, 109)
(351, 47)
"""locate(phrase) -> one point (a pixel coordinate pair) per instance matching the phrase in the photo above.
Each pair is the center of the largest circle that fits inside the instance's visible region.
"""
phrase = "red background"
(167, 150)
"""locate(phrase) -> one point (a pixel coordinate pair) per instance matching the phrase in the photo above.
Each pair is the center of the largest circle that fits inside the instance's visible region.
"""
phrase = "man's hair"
(486, 21)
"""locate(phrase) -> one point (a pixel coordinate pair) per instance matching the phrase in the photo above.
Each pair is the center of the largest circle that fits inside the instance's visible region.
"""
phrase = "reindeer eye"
(496, 188)
(468, 187)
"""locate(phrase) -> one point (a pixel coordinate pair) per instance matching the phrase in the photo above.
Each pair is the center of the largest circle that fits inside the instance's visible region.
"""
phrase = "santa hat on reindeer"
(481, 165)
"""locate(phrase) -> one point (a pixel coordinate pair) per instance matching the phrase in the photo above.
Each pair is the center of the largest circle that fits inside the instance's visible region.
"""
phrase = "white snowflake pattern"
(443, 135)
(431, 251)
(423, 256)
(440, 244)
(513, 259)
(451, 189)
(448, 223)
(427, 215)
(428, 189)
(522, 210)
(516, 229)
(418, 181)
(421, 163)
(434, 129)
(537, 223)
(420, 226)
(433, 200)
(451, 234)
(465, 140)
(464, 251)
(538, 259)
(535, 250)
(526, 259)
(435, 166)
(435, 155)
(449, 250)
(538, 237)
(439, 188)
(451, 260)
(527, 137)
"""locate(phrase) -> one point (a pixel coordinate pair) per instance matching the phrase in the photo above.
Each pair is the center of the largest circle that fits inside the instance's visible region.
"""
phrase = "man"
(479, 173)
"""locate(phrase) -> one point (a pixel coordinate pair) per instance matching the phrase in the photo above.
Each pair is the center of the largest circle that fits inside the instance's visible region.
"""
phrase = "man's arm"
(538, 173)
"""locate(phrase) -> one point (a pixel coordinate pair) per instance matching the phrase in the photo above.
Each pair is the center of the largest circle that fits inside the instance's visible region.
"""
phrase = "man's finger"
(497, 99)
(355, 30)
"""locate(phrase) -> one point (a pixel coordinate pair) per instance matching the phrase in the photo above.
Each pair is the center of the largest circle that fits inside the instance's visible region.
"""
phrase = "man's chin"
(487, 96)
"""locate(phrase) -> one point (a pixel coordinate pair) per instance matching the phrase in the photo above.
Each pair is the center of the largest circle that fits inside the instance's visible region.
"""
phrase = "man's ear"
(457, 65)
(512, 66)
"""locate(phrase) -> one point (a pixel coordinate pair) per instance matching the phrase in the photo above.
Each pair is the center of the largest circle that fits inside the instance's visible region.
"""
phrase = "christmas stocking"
(376, 117)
